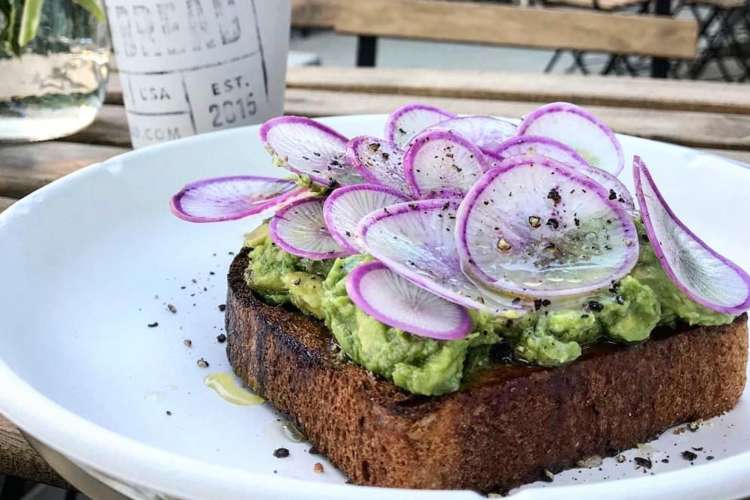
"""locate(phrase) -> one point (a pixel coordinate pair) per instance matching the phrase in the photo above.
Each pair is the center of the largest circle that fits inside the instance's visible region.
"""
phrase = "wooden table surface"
(707, 115)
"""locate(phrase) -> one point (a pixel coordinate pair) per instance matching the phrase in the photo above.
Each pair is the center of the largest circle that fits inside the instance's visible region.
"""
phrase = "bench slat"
(528, 27)
(709, 130)
(314, 13)
(613, 91)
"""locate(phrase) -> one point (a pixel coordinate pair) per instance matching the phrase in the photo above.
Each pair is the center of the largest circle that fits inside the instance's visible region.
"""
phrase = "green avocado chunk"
(627, 312)
(280, 277)
(417, 364)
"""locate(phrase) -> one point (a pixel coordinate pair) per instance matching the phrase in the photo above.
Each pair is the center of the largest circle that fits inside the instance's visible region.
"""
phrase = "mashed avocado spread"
(627, 312)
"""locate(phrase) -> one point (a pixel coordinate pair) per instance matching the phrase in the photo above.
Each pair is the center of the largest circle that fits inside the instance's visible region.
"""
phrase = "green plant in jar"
(22, 19)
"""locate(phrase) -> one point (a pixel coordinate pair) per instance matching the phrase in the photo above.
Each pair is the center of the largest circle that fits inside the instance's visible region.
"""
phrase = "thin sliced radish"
(347, 206)
(537, 228)
(529, 145)
(705, 276)
(307, 147)
(580, 130)
(407, 121)
(442, 163)
(416, 240)
(299, 229)
(230, 198)
(398, 303)
(486, 132)
(378, 161)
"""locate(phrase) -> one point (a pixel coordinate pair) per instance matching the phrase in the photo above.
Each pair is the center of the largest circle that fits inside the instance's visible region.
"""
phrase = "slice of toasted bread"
(500, 431)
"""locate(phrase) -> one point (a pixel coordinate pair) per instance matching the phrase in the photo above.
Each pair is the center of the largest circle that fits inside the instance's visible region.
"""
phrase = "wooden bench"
(514, 26)
(314, 13)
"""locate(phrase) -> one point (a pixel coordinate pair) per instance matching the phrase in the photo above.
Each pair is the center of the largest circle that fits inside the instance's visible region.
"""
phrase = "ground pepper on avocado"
(626, 312)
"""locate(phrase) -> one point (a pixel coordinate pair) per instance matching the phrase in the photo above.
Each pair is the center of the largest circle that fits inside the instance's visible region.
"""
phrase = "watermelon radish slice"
(230, 198)
(486, 132)
(347, 206)
(545, 146)
(398, 303)
(408, 121)
(378, 161)
(705, 276)
(579, 129)
(535, 227)
(300, 230)
(442, 164)
(309, 148)
(416, 240)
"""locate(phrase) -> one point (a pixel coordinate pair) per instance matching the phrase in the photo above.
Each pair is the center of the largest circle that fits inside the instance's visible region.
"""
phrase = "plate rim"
(145, 465)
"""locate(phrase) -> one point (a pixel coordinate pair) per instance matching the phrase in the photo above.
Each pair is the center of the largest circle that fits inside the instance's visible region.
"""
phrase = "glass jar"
(54, 85)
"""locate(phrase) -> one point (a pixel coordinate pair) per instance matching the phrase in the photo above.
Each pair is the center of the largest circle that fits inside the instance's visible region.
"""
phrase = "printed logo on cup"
(190, 66)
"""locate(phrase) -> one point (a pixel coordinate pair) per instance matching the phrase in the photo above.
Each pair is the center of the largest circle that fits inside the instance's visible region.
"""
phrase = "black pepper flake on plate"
(689, 455)
(643, 462)
(221, 338)
(222, 307)
(281, 453)
(169, 413)
(171, 308)
(313, 451)
(710, 457)
(202, 363)
(188, 343)
(153, 325)
(620, 458)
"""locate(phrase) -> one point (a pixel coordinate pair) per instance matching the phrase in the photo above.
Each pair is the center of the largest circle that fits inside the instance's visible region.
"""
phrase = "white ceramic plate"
(83, 260)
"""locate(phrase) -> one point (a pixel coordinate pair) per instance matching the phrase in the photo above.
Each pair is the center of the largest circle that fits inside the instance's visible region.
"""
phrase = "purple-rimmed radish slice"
(398, 303)
(442, 163)
(347, 206)
(416, 240)
(579, 129)
(378, 161)
(299, 229)
(705, 276)
(230, 198)
(537, 228)
(486, 132)
(307, 147)
(407, 121)
(530, 145)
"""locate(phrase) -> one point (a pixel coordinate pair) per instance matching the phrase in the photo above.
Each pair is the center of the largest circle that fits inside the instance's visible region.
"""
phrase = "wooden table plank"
(109, 129)
(114, 90)
(5, 202)
(26, 167)
(709, 130)
(715, 97)
(19, 459)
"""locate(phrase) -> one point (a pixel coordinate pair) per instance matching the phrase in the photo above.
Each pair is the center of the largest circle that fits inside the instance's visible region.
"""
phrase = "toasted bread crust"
(502, 430)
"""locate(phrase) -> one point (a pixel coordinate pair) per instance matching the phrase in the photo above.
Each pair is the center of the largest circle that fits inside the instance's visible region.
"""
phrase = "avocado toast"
(467, 304)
